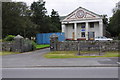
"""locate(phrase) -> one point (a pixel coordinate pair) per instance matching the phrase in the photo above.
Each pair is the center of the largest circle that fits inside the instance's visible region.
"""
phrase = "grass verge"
(8, 53)
(42, 46)
(73, 54)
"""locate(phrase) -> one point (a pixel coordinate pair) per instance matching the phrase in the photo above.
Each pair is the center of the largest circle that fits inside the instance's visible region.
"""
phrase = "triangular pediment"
(81, 14)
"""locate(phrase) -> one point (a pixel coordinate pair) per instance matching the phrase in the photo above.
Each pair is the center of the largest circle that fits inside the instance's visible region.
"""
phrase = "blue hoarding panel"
(44, 38)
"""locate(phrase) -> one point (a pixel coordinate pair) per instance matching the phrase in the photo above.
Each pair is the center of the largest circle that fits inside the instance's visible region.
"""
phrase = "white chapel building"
(82, 24)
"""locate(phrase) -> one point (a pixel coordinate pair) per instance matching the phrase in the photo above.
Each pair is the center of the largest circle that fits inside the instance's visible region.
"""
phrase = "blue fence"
(44, 38)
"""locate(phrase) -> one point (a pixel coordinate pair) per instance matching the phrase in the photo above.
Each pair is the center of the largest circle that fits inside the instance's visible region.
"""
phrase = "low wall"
(85, 45)
(17, 46)
(7, 46)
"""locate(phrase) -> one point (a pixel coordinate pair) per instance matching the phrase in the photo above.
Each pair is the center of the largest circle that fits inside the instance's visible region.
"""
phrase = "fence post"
(79, 48)
(99, 48)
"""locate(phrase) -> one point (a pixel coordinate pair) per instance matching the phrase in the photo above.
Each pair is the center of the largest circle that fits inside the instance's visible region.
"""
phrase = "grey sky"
(64, 7)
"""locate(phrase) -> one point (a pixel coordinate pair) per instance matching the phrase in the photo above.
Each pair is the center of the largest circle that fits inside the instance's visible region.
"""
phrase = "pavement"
(35, 59)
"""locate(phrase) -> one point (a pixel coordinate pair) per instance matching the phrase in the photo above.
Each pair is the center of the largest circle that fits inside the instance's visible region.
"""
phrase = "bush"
(1, 40)
(33, 44)
(9, 38)
(119, 36)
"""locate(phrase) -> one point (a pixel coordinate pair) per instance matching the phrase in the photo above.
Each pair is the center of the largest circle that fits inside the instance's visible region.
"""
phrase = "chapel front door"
(91, 35)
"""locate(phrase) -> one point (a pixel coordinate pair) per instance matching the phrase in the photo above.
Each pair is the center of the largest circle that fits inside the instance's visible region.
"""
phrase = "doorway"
(73, 35)
(91, 35)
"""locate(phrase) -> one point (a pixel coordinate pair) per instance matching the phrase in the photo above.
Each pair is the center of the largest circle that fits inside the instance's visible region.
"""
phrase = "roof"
(64, 17)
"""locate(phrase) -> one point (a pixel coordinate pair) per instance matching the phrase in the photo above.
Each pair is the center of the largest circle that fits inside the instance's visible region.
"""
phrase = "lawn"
(7, 53)
(73, 54)
(42, 46)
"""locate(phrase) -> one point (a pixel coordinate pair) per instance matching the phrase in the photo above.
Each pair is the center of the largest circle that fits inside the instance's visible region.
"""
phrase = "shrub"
(33, 44)
(1, 40)
(119, 36)
(9, 38)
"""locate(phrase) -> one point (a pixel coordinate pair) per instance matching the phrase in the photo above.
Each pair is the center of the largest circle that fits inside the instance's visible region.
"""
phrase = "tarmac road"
(36, 59)
(61, 72)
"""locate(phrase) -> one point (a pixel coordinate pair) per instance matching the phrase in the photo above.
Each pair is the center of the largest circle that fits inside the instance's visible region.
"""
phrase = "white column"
(75, 30)
(63, 28)
(101, 28)
(86, 31)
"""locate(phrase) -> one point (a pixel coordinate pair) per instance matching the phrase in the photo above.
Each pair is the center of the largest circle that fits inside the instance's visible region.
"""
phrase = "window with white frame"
(82, 34)
(92, 25)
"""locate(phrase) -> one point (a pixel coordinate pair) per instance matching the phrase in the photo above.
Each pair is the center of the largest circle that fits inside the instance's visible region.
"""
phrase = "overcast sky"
(64, 7)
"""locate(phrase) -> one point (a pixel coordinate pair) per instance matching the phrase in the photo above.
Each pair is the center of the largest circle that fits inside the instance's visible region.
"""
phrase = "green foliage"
(114, 25)
(16, 19)
(45, 24)
(105, 22)
(55, 20)
(42, 46)
(73, 54)
(119, 36)
(36, 46)
(12, 21)
(38, 16)
(7, 53)
(33, 44)
(9, 38)
(1, 40)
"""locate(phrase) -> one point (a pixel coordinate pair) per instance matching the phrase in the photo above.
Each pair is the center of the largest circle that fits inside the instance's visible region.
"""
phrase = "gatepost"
(53, 42)
(18, 42)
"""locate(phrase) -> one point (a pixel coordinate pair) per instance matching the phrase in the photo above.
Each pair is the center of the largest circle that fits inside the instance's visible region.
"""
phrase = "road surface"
(61, 72)
(35, 58)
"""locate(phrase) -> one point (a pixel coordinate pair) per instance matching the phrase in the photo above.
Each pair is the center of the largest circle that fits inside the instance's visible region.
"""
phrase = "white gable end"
(81, 14)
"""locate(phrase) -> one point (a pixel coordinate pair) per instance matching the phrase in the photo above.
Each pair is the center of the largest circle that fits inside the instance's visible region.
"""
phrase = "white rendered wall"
(69, 31)
(98, 28)
(95, 29)
(79, 30)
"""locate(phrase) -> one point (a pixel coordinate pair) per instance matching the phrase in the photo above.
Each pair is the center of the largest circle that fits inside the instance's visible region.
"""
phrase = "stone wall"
(86, 45)
(17, 45)
(7, 46)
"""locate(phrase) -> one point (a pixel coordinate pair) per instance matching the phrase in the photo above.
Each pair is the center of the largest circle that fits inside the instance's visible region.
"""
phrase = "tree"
(39, 15)
(10, 18)
(114, 25)
(15, 19)
(106, 26)
(45, 24)
(105, 21)
(55, 20)
(29, 28)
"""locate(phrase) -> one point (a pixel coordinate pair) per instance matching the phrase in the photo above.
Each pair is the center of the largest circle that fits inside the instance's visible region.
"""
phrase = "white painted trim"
(63, 27)
(86, 32)
(101, 28)
(75, 30)
(93, 20)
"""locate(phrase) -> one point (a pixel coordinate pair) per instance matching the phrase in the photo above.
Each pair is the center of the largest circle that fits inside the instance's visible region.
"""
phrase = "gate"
(91, 35)
(44, 38)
